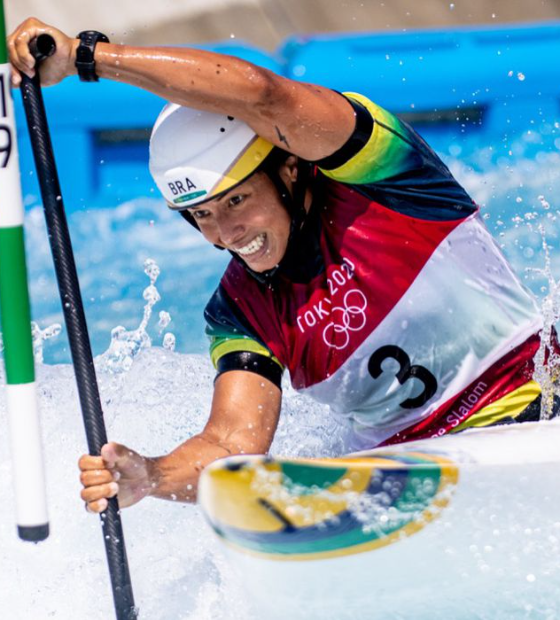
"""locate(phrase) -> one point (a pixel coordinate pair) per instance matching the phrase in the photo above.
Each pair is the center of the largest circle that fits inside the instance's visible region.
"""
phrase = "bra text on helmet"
(177, 188)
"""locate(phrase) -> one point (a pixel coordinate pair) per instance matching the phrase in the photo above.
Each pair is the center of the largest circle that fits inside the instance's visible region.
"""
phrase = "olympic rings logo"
(350, 318)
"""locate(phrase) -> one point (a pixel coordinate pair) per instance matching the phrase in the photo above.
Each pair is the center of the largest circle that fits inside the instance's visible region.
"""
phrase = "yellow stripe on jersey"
(386, 154)
(510, 406)
(223, 346)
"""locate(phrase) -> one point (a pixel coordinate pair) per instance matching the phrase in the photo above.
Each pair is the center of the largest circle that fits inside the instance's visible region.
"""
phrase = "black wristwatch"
(85, 62)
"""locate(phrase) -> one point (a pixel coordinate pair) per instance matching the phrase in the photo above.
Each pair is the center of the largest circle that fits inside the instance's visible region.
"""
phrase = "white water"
(177, 569)
(154, 398)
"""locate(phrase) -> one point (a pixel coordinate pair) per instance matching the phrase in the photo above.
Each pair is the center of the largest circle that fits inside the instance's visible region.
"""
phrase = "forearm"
(187, 76)
(307, 120)
(295, 116)
(175, 476)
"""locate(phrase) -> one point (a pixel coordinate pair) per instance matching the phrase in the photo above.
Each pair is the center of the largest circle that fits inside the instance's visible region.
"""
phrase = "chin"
(261, 268)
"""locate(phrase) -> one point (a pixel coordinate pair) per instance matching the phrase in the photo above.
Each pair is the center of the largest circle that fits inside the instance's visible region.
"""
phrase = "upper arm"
(321, 125)
(234, 344)
(385, 148)
(247, 389)
(307, 120)
(245, 413)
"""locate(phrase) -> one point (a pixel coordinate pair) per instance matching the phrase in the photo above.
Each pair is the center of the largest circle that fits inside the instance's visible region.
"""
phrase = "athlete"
(359, 264)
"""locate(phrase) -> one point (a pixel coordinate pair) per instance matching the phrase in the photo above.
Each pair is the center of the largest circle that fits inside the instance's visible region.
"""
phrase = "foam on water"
(177, 570)
(153, 399)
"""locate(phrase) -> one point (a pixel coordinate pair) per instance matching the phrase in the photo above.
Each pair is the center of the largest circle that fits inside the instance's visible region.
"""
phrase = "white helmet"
(196, 155)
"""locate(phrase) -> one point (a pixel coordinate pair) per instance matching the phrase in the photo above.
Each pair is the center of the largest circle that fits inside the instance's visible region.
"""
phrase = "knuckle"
(86, 478)
(99, 505)
(92, 507)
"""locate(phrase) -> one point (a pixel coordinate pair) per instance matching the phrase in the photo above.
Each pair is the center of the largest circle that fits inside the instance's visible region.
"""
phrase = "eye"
(236, 200)
(200, 214)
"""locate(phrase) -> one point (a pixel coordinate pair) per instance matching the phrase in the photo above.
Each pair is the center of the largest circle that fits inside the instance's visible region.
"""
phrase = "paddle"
(74, 315)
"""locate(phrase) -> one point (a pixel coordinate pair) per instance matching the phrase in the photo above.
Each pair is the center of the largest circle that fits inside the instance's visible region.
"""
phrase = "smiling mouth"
(253, 247)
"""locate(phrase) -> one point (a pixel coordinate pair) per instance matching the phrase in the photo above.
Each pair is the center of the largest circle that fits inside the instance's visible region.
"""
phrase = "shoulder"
(391, 164)
(234, 343)
(380, 147)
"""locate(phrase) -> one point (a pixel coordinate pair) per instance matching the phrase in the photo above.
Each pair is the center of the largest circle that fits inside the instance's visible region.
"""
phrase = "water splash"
(126, 345)
(169, 342)
(164, 320)
(547, 360)
(39, 336)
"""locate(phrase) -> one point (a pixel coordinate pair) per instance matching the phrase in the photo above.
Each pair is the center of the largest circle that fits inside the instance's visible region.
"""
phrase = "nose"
(230, 228)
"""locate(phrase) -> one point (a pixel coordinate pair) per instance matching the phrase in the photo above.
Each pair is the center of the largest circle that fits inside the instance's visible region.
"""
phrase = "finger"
(24, 60)
(92, 494)
(110, 453)
(88, 462)
(97, 506)
(16, 77)
(14, 58)
(95, 477)
(115, 454)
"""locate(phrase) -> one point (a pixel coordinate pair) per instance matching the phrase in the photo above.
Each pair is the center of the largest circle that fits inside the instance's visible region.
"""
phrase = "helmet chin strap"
(295, 206)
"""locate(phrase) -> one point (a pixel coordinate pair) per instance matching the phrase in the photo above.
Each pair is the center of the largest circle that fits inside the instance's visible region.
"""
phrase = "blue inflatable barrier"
(492, 81)
(487, 84)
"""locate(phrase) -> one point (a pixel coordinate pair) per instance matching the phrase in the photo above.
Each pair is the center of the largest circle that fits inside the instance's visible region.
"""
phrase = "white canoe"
(464, 526)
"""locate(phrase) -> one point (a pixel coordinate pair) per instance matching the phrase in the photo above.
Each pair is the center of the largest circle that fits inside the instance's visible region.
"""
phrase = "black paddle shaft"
(74, 315)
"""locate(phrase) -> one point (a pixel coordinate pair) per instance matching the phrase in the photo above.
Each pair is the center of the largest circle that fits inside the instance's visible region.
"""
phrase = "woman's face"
(249, 220)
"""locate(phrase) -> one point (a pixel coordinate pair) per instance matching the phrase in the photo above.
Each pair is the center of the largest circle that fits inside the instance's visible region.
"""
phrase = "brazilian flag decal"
(313, 509)
(188, 197)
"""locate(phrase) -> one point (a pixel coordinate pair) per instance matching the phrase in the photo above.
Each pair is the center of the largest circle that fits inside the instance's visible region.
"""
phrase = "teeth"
(252, 247)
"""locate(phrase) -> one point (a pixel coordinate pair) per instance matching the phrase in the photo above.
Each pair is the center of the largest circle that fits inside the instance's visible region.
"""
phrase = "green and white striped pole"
(21, 398)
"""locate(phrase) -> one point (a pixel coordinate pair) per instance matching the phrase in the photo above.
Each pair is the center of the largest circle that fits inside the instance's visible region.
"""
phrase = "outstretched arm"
(307, 120)
(243, 419)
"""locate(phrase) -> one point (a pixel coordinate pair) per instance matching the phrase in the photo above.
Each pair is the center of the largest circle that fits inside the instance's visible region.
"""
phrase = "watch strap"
(85, 54)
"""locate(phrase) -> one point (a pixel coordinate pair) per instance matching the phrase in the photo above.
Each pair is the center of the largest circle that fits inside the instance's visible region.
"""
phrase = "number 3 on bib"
(406, 372)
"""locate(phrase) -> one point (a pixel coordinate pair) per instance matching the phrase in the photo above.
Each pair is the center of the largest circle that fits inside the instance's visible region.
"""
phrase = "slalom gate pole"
(23, 418)
(75, 319)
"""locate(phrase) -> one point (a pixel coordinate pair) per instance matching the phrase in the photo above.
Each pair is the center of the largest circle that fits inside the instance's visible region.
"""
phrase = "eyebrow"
(226, 194)
(219, 199)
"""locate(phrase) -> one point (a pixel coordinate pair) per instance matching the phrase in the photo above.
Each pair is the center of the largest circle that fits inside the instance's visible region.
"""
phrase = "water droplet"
(169, 341)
